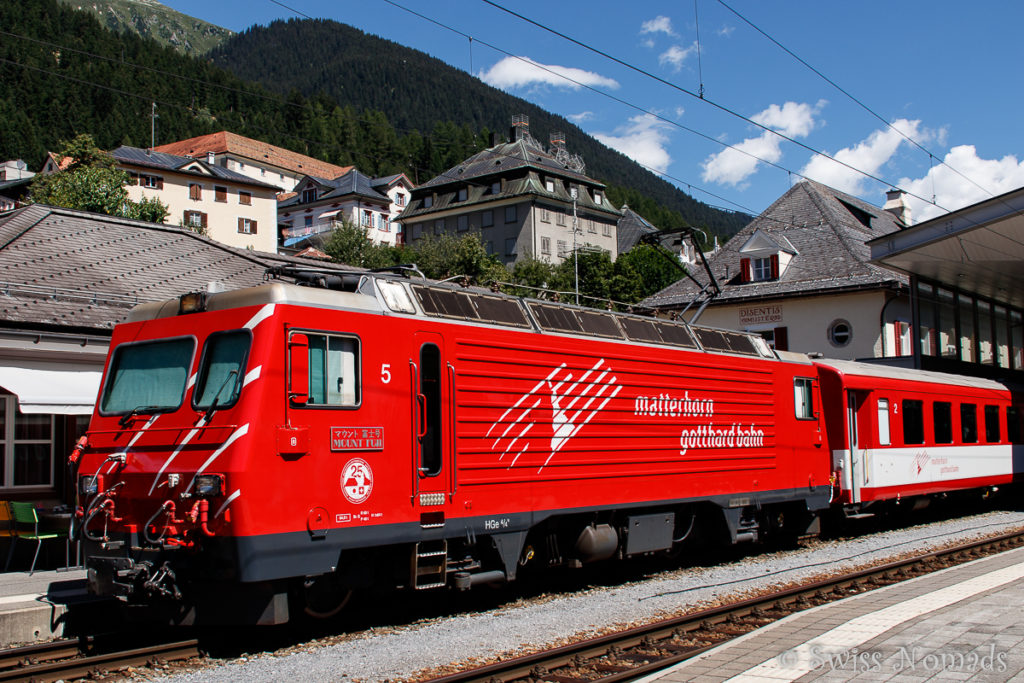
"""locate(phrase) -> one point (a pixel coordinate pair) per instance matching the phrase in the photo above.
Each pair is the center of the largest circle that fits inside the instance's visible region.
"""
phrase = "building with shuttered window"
(800, 275)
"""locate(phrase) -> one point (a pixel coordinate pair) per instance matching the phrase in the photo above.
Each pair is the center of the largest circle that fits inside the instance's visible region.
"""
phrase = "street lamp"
(575, 256)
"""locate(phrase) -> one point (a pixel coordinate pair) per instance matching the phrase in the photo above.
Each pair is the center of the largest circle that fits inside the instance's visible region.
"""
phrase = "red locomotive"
(284, 442)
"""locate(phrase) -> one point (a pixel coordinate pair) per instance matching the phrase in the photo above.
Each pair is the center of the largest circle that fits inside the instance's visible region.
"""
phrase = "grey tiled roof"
(172, 162)
(520, 166)
(351, 184)
(80, 270)
(632, 226)
(828, 230)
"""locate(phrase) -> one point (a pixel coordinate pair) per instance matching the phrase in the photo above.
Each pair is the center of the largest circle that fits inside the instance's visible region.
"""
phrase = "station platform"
(36, 607)
(964, 623)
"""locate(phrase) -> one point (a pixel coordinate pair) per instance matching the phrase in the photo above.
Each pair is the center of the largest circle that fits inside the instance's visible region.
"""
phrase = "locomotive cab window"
(968, 423)
(942, 413)
(333, 370)
(992, 431)
(221, 369)
(803, 398)
(913, 421)
(147, 377)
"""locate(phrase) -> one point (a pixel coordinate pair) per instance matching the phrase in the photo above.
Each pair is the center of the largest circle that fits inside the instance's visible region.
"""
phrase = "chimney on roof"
(520, 127)
(896, 204)
(495, 139)
(557, 140)
(211, 158)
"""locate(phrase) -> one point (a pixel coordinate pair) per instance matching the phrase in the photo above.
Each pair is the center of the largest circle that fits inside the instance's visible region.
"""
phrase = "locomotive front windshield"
(222, 369)
(147, 376)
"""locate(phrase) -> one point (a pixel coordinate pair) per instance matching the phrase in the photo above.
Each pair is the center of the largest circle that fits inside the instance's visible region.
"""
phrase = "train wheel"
(324, 596)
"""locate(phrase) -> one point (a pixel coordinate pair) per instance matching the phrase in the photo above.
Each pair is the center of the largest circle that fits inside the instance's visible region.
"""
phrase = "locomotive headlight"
(209, 485)
(89, 485)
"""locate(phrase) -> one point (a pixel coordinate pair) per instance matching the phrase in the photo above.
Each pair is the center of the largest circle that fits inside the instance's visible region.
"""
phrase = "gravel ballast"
(398, 653)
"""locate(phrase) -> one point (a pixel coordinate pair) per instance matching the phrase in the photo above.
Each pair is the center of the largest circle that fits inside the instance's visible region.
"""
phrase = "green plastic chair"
(26, 525)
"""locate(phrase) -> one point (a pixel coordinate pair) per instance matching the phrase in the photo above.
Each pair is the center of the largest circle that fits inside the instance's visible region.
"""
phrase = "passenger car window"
(942, 413)
(913, 421)
(992, 432)
(883, 422)
(968, 423)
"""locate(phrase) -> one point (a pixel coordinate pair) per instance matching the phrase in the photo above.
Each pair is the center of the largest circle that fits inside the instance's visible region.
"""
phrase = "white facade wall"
(808, 320)
(221, 216)
(553, 233)
(265, 173)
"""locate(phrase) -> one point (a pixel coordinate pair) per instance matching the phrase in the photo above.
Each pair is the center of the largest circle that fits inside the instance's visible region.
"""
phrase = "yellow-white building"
(800, 275)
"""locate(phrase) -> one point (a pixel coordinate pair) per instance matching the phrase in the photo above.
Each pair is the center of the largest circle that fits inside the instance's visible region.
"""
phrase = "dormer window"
(759, 269)
(428, 201)
(309, 195)
(765, 257)
(598, 197)
(462, 194)
(549, 185)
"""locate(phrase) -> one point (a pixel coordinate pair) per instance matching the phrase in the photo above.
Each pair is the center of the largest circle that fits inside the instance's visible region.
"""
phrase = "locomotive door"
(431, 419)
(855, 400)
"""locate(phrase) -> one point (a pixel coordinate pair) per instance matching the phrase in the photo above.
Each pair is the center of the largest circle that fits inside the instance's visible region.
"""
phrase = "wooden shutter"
(781, 339)
(159, 183)
(775, 266)
(253, 224)
(745, 274)
(202, 217)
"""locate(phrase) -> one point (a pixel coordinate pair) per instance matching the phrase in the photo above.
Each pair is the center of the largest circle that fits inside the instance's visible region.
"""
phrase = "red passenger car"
(298, 442)
(896, 433)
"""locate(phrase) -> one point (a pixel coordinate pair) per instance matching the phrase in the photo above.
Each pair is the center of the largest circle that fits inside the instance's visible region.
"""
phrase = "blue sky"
(943, 77)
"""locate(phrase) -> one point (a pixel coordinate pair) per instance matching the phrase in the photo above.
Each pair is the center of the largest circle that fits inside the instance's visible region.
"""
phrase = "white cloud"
(519, 72)
(735, 164)
(952, 191)
(659, 24)
(643, 140)
(581, 117)
(679, 112)
(675, 56)
(726, 31)
(868, 155)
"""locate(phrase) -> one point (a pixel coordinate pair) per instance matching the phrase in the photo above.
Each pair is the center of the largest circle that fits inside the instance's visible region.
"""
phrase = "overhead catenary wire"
(854, 99)
(689, 92)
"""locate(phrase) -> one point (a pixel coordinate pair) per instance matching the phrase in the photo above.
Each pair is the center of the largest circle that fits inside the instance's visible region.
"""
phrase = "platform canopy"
(978, 249)
(49, 388)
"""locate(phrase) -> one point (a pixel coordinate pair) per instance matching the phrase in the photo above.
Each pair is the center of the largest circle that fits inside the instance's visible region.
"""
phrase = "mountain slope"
(416, 92)
(150, 19)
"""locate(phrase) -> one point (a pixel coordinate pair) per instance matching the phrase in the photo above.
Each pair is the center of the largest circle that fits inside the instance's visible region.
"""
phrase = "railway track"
(72, 659)
(639, 651)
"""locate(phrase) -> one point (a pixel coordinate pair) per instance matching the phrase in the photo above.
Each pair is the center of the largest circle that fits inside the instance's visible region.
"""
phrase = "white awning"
(51, 388)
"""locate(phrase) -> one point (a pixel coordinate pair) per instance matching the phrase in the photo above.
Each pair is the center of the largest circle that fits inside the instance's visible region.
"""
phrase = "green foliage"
(349, 244)
(92, 183)
(445, 256)
(646, 269)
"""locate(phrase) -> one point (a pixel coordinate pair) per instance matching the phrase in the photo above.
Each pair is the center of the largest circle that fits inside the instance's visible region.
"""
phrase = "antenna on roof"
(152, 129)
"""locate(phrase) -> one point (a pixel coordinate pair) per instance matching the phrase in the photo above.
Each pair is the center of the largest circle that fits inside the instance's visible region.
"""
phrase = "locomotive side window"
(803, 398)
(147, 377)
(968, 423)
(913, 421)
(942, 413)
(883, 422)
(333, 370)
(222, 369)
(992, 431)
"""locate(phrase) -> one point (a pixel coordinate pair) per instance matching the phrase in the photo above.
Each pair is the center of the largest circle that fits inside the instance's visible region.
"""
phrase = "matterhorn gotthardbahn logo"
(356, 480)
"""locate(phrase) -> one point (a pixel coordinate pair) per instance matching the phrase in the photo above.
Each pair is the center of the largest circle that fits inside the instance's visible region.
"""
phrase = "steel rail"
(81, 666)
(727, 619)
